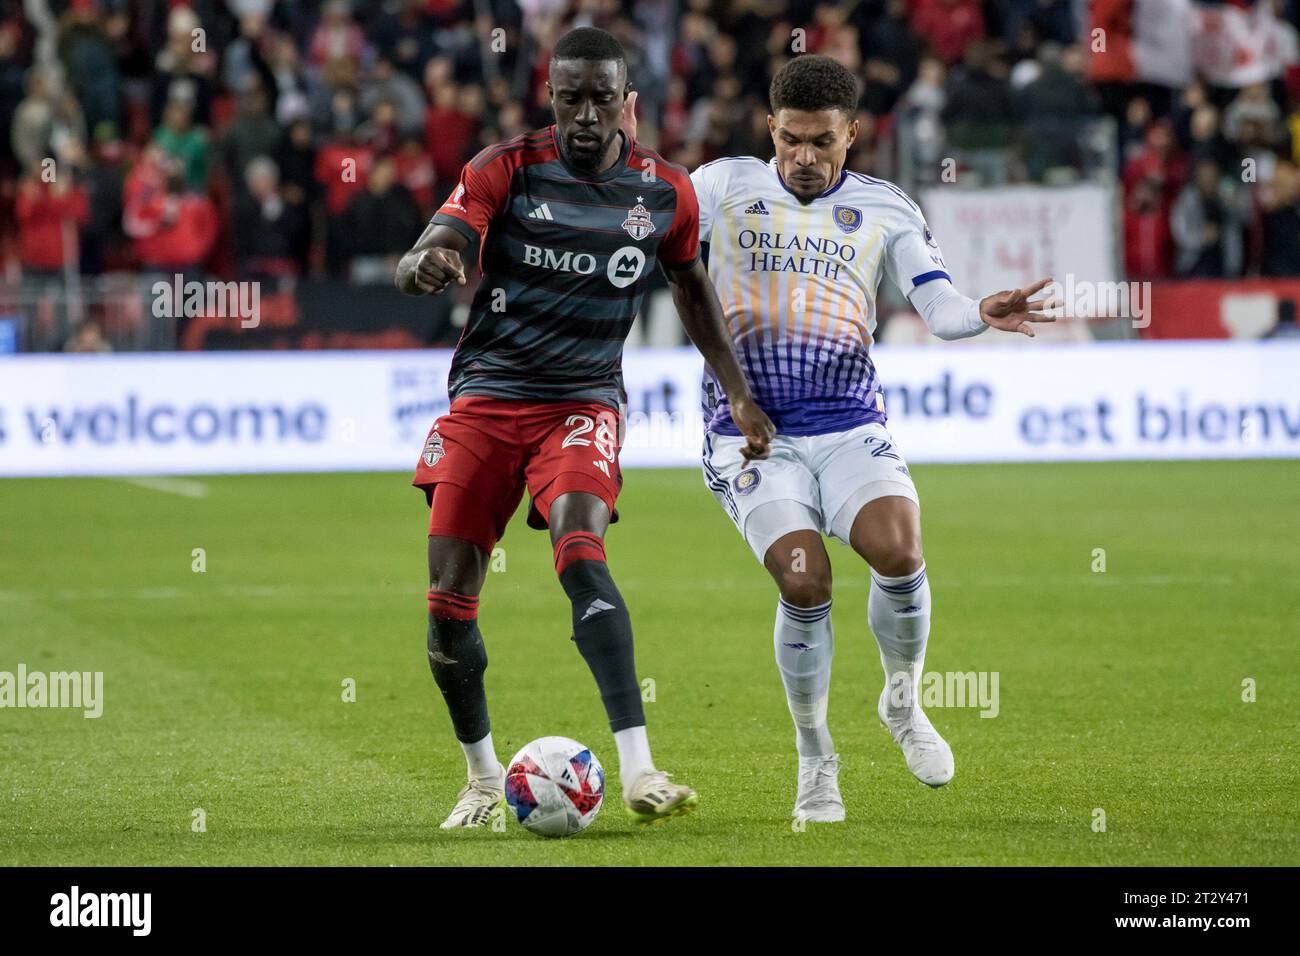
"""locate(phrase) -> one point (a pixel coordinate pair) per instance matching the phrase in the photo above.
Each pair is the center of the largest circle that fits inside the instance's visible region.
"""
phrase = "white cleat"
(819, 790)
(653, 798)
(928, 755)
(477, 802)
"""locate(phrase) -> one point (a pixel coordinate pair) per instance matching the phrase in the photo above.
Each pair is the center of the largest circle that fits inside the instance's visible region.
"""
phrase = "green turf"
(1119, 690)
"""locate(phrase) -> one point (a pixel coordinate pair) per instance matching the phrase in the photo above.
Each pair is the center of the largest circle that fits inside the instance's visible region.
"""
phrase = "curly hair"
(814, 82)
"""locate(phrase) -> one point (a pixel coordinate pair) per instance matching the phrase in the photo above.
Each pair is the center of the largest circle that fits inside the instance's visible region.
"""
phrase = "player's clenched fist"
(436, 269)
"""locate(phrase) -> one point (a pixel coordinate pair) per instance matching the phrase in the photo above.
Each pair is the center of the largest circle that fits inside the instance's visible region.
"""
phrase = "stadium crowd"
(255, 138)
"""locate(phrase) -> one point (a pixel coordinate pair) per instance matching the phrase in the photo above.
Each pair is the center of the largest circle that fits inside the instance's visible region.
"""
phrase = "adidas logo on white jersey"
(542, 212)
(757, 209)
(596, 607)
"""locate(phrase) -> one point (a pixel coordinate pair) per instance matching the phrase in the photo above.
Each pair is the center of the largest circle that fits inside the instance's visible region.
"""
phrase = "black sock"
(458, 659)
(602, 630)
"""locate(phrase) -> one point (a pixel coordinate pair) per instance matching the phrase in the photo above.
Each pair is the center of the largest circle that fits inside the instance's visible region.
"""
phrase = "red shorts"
(481, 455)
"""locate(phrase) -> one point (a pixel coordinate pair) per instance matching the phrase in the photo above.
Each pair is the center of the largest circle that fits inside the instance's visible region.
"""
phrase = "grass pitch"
(1120, 691)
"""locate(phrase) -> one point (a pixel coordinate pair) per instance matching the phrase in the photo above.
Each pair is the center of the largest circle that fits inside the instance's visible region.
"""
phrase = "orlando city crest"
(747, 481)
(433, 450)
(638, 223)
(847, 218)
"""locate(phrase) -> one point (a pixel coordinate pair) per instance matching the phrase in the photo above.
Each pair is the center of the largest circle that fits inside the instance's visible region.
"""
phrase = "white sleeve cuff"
(947, 313)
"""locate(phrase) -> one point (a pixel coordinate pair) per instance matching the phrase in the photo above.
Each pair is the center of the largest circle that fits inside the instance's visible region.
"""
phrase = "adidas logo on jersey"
(596, 607)
(542, 212)
(757, 209)
(603, 466)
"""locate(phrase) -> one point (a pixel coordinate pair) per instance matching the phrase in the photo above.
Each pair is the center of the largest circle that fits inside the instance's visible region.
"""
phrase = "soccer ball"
(555, 786)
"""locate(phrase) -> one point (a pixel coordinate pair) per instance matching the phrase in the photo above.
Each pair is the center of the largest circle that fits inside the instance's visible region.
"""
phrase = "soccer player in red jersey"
(567, 224)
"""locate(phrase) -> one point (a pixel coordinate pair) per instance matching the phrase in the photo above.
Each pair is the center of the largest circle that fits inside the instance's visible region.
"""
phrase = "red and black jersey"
(566, 258)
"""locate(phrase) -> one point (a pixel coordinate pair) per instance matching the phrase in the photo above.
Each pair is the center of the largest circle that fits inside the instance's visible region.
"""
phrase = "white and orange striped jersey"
(798, 286)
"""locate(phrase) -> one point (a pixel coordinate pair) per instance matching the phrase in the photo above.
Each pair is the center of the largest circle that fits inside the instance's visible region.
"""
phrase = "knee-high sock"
(804, 646)
(458, 659)
(898, 610)
(602, 629)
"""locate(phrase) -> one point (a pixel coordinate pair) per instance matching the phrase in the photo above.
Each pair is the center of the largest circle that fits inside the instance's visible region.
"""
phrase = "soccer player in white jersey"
(797, 248)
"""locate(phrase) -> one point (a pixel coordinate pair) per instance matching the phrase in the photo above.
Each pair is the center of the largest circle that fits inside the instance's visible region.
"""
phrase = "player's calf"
(602, 628)
(898, 609)
(458, 659)
(887, 533)
(804, 644)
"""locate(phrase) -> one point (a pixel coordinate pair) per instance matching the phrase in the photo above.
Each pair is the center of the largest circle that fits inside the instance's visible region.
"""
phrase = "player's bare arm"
(433, 262)
(701, 315)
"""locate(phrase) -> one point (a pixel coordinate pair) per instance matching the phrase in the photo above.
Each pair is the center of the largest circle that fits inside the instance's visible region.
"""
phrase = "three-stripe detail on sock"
(578, 546)
(449, 604)
(805, 615)
(906, 587)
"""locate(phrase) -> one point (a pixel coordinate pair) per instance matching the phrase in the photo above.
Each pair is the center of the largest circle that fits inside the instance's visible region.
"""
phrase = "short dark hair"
(814, 82)
(589, 43)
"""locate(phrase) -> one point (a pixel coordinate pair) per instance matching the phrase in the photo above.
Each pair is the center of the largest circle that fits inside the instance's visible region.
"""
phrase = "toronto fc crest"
(433, 450)
(638, 223)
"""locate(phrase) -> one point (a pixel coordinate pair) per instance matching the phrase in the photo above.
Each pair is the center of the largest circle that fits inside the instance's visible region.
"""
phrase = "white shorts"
(811, 482)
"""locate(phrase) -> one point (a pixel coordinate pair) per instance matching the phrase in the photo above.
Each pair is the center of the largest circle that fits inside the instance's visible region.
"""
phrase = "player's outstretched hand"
(1014, 310)
(755, 426)
(438, 268)
(627, 119)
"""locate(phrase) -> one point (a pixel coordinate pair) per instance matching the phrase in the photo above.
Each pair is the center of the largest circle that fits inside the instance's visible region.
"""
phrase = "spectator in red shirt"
(342, 166)
(50, 215)
(415, 173)
(948, 25)
(174, 229)
(1148, 241)
(1158, 159)
(449, 134)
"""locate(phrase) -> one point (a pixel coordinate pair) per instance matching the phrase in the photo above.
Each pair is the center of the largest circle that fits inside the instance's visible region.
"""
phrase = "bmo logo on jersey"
(584, 263)
(625, 266)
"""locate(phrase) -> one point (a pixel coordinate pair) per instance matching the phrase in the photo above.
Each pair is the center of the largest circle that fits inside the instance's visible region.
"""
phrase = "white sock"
(482, 759)
(898, 610)
(633, 754)
(804, 646)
